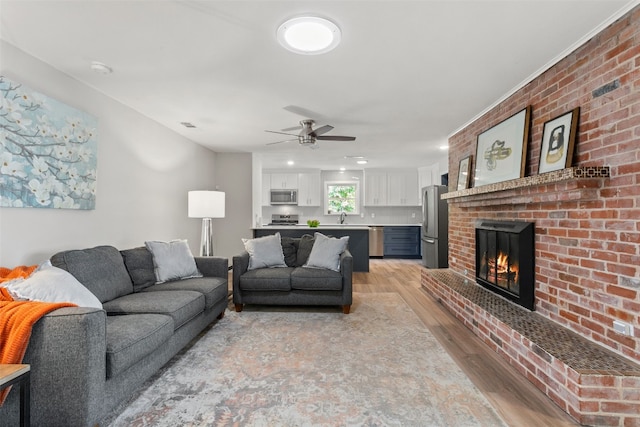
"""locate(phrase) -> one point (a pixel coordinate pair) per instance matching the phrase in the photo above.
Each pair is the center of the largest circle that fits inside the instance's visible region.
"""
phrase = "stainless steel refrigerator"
(435, 229)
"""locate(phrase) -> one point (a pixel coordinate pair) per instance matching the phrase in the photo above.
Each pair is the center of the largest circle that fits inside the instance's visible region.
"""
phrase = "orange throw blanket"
(17, 319)
(7, 274)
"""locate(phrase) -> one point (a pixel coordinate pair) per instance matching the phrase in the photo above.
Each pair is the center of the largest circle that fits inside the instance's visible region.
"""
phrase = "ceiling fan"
(308, 136)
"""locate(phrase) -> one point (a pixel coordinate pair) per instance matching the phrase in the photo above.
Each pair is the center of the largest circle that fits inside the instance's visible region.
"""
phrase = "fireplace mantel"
(570, 184)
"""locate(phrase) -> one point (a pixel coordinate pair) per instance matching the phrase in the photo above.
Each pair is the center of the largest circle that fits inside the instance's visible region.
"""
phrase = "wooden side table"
(19, 374)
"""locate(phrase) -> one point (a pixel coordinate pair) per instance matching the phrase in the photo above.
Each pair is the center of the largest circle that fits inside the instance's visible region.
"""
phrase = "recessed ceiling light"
(290, 162)
(354, 157)
(362, 162)
(343, 169)
(444, 147)
(309, 35)
(101, 68)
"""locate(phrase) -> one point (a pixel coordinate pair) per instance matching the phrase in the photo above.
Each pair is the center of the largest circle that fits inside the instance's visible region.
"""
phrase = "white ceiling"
(406, 75)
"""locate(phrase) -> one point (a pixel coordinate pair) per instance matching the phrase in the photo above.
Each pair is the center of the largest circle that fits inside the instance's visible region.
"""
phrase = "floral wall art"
(48, 151)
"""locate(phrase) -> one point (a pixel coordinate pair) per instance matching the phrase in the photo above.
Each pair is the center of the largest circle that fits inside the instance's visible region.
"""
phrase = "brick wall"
(587, 231)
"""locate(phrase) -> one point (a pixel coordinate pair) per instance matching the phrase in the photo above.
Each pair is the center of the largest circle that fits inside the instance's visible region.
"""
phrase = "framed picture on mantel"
(464, 173)
(500, 153)
(558, 138)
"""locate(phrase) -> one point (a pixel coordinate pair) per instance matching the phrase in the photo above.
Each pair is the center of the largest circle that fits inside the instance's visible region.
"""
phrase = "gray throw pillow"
(139, 263)
(305, 244)
(326, 252)
(264, 252)
(289, 250)
(172, 260)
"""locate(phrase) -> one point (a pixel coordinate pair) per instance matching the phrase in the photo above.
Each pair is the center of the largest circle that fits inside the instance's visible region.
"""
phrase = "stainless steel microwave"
(284, 197)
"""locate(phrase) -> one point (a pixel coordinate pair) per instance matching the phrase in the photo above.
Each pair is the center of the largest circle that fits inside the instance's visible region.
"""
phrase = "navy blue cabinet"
(402, 241)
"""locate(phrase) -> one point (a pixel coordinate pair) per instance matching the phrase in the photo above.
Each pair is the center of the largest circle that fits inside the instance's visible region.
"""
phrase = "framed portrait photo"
(501, 150)
(464, 173)
(558, 139)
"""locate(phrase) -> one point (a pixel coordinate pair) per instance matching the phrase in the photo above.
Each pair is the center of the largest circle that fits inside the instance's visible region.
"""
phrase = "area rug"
(378, 366)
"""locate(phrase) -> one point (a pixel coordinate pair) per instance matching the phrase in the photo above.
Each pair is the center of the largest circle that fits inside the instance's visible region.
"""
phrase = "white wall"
(234, 177)
(144, 174)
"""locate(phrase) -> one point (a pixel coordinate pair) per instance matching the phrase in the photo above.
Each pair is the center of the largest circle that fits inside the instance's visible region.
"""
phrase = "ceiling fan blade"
(303, 112)
(280, 142)
(336, 138)
(321, 130)
(282, 133)
(291, 128)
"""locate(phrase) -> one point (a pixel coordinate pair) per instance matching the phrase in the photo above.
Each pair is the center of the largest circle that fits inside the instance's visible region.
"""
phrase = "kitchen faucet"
(343, 215)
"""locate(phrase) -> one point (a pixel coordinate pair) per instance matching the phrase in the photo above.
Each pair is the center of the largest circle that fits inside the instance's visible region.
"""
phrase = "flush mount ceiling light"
(101, 68)
(309, 35)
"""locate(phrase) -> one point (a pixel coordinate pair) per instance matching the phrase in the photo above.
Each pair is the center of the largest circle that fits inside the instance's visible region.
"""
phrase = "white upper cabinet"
(391, 187)
(288, 181)
(402, 188)
(375, 188)
(309, 189)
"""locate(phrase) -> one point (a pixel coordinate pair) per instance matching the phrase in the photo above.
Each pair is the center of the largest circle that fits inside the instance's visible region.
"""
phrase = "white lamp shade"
(206, 204)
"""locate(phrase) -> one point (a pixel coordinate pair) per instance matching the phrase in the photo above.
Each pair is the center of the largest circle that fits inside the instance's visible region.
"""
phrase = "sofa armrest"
(66, 352)
(240, 266)
(346, 269)
(213, 266)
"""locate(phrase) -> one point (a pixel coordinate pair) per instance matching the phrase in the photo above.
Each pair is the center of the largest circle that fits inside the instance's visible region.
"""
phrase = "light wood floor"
(516, 399)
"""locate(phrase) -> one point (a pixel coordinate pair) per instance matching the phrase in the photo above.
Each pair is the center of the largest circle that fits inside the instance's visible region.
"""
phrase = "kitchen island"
(358, 238)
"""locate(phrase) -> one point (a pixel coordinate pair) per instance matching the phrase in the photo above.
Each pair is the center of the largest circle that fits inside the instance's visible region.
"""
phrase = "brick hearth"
(592, 384)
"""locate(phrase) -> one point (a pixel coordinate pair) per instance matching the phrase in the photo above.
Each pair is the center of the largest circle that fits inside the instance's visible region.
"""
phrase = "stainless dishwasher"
(376, 241)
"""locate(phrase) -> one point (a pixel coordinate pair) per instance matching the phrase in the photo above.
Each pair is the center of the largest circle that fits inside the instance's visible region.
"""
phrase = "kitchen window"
(342, 196)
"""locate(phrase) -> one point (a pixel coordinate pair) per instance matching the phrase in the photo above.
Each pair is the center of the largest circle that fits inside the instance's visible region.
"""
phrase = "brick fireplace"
(587, 233)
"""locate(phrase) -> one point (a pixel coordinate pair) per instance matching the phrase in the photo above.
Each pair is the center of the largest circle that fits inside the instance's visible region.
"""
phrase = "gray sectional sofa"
(294, 283)
(85, 361)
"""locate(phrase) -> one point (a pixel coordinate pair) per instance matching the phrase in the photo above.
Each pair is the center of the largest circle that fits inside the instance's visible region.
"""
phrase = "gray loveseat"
(293, 284)
(85, 361)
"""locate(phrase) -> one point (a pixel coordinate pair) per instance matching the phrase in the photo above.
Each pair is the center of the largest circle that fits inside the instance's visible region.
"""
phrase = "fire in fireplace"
(505, 259)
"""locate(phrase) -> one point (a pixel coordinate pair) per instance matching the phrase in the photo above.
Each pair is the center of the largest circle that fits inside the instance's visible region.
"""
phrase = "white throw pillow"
(52, 284)
(326, 252)
(264, 252)
(172, 260)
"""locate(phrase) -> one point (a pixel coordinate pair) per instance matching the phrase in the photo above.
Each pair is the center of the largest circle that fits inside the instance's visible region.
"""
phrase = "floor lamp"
(206, 205)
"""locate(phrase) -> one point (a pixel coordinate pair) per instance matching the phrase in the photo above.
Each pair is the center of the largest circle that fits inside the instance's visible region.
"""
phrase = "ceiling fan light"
(309, 35)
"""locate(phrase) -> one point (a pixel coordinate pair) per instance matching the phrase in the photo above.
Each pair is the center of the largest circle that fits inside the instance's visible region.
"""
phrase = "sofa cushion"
(326, 252)
(305, 244)
(100, 269)
(289, 250)
(316, 279)
(182, 306)
(264, 252)
(132, 337)
(139, 264)
(172, 260)
(267, 279)
(214, 289)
